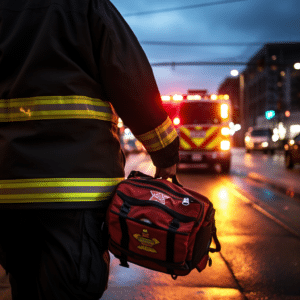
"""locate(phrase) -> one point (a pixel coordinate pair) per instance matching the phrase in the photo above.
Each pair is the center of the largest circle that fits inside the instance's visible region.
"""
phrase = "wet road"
(257, 217)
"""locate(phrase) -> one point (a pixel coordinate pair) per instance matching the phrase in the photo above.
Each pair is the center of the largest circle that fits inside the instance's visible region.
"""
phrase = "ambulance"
(203, 125)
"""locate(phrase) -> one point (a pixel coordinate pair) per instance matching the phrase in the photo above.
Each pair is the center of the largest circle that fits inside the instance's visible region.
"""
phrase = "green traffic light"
(270, 114)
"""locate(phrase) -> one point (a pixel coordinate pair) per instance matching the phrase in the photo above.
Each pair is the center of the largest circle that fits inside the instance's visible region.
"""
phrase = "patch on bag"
(159, 197)
(146, 243)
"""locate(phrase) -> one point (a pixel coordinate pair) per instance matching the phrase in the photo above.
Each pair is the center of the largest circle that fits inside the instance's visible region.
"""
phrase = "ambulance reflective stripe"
(211, 140)
(160, 137)
(186, 141)
(56, 107)
(57, 190)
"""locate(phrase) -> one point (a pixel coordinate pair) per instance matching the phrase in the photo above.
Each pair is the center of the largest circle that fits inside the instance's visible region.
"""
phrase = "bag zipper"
(167, 188)
(134, 201)
(149, 225)
(164, 186)
(153, 188)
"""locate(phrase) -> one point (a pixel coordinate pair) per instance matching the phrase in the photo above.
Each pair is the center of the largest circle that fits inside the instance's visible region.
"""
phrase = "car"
(292, 152)
(261, 139)
(130, 144)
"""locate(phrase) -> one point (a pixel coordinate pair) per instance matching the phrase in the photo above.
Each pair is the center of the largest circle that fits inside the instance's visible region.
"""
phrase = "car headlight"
(265, 144)
(291, 142)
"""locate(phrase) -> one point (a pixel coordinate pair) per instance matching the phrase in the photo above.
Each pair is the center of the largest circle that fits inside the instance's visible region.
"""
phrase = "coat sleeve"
(129, 85)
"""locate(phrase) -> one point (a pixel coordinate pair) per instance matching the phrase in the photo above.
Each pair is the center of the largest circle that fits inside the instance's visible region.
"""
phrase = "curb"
(288, 191)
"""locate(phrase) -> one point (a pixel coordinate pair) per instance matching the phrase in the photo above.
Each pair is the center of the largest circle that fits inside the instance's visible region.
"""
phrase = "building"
(231, 87)
(271, 89)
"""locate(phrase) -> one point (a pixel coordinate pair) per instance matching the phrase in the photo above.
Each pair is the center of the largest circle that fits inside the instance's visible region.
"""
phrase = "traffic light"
(270, 114)
(287, 113)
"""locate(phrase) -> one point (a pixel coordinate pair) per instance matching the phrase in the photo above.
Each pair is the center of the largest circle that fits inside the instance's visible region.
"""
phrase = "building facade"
(269, 90)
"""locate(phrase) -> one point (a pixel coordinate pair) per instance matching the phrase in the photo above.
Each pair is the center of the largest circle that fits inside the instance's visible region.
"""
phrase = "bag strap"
(216, 240)
(125, 208)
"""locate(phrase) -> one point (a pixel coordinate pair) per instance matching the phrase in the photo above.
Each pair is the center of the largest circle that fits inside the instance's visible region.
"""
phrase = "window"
(200, 113)
(262, 132)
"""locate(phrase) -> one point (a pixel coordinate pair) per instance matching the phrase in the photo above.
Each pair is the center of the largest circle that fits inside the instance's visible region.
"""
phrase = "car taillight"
(176, 121)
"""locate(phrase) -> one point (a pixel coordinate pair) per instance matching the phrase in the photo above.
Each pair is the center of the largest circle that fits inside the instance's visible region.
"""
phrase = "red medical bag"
(161, 225)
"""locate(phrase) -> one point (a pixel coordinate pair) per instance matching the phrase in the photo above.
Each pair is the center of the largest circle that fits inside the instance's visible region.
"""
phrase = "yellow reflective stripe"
(55, 107)
(57, 182)
(57, 189)
(160, 137)
(55, 197)
(185, 130)
(56, 115)
(47, 100)
(184, 144)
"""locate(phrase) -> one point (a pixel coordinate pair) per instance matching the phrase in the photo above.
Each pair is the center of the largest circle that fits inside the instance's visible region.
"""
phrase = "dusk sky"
(231, 30)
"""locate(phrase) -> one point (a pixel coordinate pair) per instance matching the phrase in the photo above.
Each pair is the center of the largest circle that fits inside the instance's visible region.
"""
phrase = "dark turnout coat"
(68, 70)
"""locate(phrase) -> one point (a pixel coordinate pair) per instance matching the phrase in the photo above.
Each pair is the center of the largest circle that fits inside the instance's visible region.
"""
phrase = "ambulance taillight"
(176, 121)
(225, 145)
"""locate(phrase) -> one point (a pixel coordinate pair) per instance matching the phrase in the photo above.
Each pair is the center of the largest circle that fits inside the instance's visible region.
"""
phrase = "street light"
(234, 73)
(297, 66)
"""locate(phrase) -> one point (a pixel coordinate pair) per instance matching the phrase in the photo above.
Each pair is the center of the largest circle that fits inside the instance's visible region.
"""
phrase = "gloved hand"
(165, 173)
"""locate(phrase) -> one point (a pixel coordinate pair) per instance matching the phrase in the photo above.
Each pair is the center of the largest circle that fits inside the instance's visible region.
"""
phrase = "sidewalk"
(286, 188)
(267, 169)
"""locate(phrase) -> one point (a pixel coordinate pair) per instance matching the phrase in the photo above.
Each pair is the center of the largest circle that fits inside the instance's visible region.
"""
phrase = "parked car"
(129, 143)
(292, 152)
(261, 139)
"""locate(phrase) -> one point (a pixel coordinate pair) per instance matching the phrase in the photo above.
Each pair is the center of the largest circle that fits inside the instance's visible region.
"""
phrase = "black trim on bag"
(171, 242)
(150, 225)
(174, 214)
(125, 209)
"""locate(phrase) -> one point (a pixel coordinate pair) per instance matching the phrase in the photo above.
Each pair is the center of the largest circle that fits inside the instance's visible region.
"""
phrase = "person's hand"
(165, 173)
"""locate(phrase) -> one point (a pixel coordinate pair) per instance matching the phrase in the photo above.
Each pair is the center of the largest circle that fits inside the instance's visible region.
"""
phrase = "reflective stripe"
(56, 107)
(57, 190)
(211, 140)
(160, 137)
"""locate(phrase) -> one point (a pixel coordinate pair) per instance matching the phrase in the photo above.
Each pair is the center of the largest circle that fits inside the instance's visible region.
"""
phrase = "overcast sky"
(207, 21)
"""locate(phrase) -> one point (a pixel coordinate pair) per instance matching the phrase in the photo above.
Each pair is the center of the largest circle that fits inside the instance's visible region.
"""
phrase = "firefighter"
(69, 70)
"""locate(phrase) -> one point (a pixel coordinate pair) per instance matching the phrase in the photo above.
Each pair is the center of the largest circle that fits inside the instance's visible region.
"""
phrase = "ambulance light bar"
(166, 98)
(193, 97)
(178, 98)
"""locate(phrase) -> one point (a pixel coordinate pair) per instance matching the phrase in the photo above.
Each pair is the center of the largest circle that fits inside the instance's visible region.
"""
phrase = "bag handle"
(138, 174)
(141, 174)
(175, 180)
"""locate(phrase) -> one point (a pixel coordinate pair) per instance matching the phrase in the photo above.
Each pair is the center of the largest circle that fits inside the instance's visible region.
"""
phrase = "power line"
(158, 43)
(210, 63)
(181, 8)
(199, 63)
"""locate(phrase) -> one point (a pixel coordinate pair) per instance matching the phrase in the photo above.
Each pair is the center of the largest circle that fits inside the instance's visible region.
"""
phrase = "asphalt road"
(257, 217)
(258, 226)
